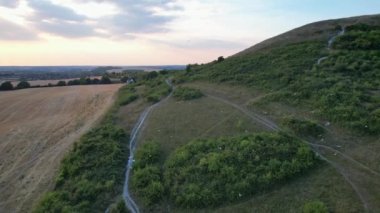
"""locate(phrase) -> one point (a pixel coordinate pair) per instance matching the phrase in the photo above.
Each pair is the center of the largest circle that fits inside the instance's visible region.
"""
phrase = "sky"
(152, 32)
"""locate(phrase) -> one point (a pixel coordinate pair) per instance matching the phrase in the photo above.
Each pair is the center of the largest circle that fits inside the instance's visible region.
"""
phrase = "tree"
(95, 81)
(163, 72)
(23, 85)
(74, 82)
(105, 80)
(61, 83)
(124, 79)
(6, 86)
(188, 68)
(220, 59)
(151, 75)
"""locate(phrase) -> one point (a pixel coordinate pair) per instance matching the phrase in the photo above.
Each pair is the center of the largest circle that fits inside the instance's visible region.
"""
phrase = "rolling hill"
(318, 83)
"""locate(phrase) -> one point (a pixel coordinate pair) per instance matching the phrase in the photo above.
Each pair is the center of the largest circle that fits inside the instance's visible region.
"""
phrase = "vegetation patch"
(207, 173)
(343, 88)
(127, 95)
(315, 207)
(303, 127)
(92, 173)
(147, 179)
(187, 93)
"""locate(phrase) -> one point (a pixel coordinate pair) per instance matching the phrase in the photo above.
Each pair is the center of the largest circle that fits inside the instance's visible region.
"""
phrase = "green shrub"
(186, 93)
(211, 172)
(303, 127)
(315, 207)
(156, 89)
(146, 179)
(119, 207)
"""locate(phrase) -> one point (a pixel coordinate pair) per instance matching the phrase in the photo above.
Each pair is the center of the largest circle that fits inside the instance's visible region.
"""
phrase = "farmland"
(37, 128)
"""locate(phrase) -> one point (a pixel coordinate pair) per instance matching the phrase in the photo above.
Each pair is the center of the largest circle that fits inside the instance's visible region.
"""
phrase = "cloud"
(11, 31)
(143, 16)
(59, 20)
(133, 17)
(9, 3)
(47, 10)
(67, 29)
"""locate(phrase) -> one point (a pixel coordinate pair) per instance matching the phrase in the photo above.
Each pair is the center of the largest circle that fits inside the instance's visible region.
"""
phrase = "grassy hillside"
(344, 88)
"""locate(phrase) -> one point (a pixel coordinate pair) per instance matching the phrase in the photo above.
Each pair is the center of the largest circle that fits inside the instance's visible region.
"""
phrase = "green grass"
(323, 184)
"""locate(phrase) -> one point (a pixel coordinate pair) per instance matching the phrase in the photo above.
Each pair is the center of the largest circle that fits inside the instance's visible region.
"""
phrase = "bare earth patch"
(37, 127)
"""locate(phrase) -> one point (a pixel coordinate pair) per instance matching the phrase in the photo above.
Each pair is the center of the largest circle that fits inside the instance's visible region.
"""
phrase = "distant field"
(37, 127)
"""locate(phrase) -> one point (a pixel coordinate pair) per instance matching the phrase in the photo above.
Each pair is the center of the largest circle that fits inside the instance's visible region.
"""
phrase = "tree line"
(7, 85)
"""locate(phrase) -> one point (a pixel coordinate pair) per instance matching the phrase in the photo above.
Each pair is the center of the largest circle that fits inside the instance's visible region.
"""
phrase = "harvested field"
(37, 128)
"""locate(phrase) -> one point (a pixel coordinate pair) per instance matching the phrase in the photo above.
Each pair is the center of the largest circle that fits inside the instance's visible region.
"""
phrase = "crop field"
(37, 128)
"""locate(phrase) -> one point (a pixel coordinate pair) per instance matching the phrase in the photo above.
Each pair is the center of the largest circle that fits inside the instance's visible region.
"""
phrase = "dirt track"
(37, 127)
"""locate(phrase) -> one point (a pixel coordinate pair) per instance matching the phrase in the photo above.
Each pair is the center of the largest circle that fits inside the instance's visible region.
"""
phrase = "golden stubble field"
(37, 128)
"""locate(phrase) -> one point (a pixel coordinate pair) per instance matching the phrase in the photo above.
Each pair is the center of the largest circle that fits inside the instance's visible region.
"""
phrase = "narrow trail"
(330, 43)
(130, 203)
(274, 127)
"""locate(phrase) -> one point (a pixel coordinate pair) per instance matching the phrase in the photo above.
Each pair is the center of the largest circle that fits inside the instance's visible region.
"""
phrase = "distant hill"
(321, 30)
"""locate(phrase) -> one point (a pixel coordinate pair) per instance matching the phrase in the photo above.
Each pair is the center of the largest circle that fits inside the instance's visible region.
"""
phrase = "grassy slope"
(176, 123)
(343, 88)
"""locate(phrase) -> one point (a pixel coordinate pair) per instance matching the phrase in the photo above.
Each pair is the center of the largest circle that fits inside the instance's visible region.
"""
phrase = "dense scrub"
(92, 173)
(155, 89)
(344, 88)
(187, 93)
(127, 94)
(303, 127)
(211, 172)
(147, 179)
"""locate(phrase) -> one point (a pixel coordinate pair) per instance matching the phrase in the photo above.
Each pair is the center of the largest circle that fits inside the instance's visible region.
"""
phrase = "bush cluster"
(303, 127)
(208, 173)
(187, 93)
(127, 95)
(156, 89)
(147, 179)
(90, 174)
(211, 172)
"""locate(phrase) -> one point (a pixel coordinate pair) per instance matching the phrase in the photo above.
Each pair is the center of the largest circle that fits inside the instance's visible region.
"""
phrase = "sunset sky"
(151, 32)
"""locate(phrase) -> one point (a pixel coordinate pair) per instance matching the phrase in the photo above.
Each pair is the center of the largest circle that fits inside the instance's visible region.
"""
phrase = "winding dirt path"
(130, 203)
